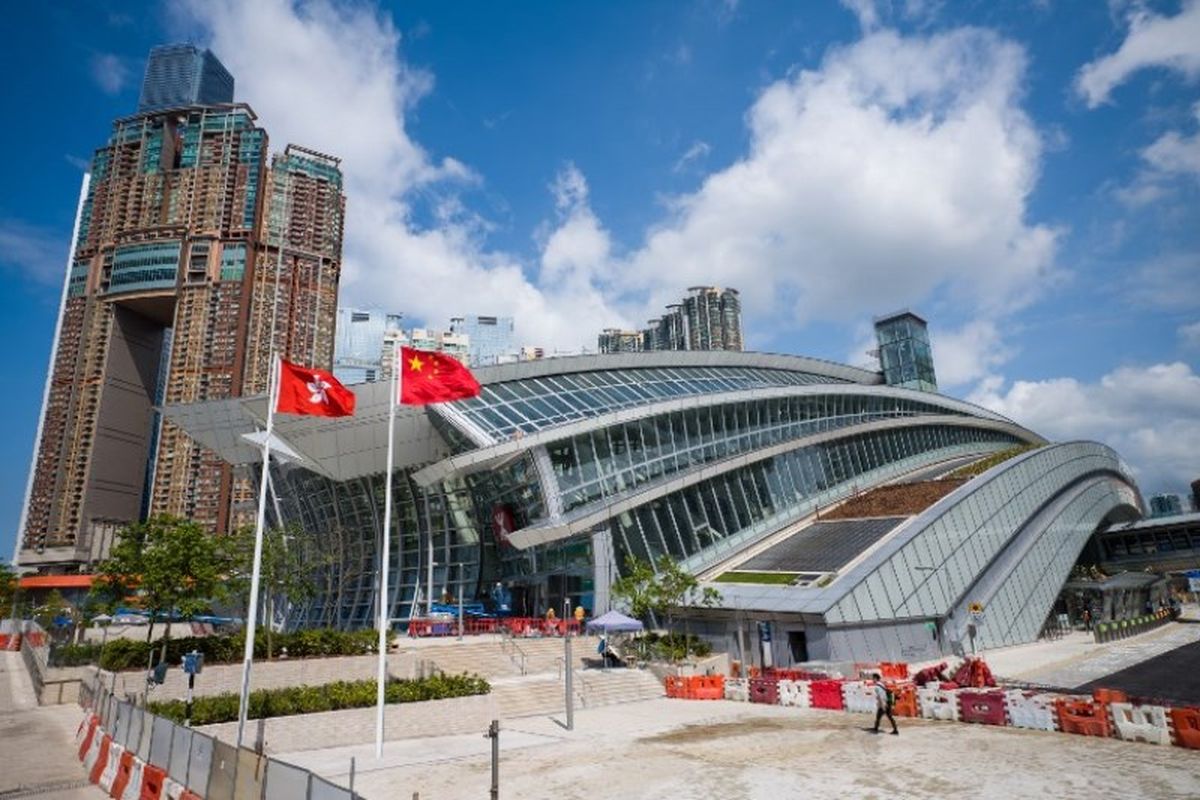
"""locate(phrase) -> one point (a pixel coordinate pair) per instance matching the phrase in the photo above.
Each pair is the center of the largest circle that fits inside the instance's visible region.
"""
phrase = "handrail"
(507, 640)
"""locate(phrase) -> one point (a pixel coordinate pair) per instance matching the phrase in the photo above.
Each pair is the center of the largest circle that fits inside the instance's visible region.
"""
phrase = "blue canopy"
(615, 622)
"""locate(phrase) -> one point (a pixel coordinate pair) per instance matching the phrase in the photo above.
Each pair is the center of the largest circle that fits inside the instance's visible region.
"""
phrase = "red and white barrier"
(937, 703)
(109, 773)
(1141, 723)
(795, 694)
(1031, 710)
(859, 697)
(133, 788)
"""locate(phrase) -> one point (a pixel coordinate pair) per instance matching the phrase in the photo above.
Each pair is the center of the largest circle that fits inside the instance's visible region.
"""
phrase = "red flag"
(303, 390)
(428, 377)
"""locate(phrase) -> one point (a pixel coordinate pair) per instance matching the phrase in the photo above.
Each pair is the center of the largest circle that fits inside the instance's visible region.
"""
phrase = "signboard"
(976, 612)
(193, 662)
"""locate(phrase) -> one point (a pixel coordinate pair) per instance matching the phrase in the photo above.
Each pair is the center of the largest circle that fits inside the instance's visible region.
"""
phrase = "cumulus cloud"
(332, 77)
(109, 72)
(35, 253)
(968, 354)
(899, 167)
(1150, 415)
(1153, 41)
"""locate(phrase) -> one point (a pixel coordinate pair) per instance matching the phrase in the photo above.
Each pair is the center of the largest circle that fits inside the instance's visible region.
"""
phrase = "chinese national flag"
(427, 377)
(312, 391)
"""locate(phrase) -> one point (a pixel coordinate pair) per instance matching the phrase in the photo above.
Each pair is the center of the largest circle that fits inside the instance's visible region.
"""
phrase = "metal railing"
(509, 646)
(204, 764)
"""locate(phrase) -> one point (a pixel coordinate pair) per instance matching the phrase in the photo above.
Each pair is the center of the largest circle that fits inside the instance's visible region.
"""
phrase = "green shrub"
(266, 703)
(673, 646)
(74, 655)
(122, 654)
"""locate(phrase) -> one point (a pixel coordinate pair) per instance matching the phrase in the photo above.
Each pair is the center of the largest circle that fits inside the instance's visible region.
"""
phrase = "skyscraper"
(193, 261)
(358, 352)
(709, 318)
(904, 351)
(1166, 504)
(491, 339)
(184, 75)
(615, 340)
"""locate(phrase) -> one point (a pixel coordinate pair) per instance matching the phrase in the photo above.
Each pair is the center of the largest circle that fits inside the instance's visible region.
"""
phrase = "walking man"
(883, 705)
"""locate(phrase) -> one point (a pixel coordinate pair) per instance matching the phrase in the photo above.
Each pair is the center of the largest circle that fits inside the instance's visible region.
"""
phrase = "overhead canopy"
(615, 622)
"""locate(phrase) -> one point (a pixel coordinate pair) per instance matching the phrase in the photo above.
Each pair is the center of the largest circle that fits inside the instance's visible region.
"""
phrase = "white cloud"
(1189, 335)
(899, 167)
(1176, 154)
(332, 78)
(971, 353)
(35, 253)
(109, 72)
(1153, 41)
(867, 12)
(696, 152)
(1150, 415)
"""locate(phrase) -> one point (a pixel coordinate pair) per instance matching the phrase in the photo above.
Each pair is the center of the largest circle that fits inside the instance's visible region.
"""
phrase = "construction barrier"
(982, 708)
(737, 689)
(1031, 710)
(765, 691)
(795, 694)
(827, 693)
(707, 687)
(893, 670)
(172, 790)
(93, 722)
(859, 697)
(937, 703)
(1138, 723)
(124, 773)
(1186, 723)
(97, 764)
(153, 779)
(904, 698)
(1082, 716)
(675, 686)
(92, 752)
(1109, 696)
(109, 774)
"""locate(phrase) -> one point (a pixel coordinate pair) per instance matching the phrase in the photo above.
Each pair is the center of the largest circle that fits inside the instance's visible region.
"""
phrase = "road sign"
(976, 611)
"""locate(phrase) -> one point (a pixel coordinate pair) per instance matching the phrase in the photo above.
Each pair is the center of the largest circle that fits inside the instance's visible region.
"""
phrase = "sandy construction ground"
(730, 751)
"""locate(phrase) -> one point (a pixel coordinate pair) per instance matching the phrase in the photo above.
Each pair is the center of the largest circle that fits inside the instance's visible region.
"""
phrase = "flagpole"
(252, 610)
(385, 560)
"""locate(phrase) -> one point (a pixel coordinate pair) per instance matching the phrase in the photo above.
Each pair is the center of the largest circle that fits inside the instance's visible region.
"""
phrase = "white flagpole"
(252, 611)
(385, 559)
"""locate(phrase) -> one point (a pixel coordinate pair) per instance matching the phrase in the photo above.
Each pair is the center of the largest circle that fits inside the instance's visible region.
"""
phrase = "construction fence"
(132, 753)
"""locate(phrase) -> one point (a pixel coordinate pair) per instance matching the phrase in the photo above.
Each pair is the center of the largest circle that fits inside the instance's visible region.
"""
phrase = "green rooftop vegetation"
(983, 465)
(769, 578)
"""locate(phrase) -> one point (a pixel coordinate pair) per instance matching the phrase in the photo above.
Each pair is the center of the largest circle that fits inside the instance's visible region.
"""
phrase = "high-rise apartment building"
(1167, 504)
(180, 75)
(194, 260)
(491, 339)
(904, 351)
(709, 318)
(358, 352)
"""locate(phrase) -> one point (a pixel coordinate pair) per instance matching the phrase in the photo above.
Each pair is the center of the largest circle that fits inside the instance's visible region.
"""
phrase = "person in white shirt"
(883, 705)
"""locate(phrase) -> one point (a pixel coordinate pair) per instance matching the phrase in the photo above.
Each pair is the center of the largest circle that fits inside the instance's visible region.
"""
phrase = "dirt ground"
(733, 751)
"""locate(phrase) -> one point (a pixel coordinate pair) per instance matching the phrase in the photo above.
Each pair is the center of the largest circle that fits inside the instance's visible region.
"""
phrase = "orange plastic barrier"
(93, 721)
(1109, 696)
(1186, 722)
(101, 760)
(707, 687)
(153, 779)
(1084, 717)
(893, 670)
(124, 772)
(676, 685)
(905, 698)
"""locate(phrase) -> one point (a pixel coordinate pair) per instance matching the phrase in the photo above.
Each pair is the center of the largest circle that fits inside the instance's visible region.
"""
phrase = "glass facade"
(904, 352)
(512, 408)
(144, 266)
(184, 75)
(490, 339)
(609, 461)
(716, 516)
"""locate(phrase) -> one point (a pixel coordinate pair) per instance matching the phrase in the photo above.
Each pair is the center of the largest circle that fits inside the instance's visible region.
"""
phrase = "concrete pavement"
(37, 744)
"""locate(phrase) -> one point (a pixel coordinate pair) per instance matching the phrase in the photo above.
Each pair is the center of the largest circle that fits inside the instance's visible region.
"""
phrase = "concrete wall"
(357, 726)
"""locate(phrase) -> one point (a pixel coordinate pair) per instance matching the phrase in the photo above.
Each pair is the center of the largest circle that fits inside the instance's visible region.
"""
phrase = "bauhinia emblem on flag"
(303, 390)
(427, 377)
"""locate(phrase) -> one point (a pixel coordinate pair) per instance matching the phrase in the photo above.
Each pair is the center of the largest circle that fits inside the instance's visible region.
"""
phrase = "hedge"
(121, 654)
(74, 655)
(265, 703)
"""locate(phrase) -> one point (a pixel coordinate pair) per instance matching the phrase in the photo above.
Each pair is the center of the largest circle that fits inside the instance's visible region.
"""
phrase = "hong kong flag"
(427, 377)
(303, 390)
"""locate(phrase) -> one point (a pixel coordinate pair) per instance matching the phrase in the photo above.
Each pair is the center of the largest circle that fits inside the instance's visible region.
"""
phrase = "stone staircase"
(495, 658)
(542, 694)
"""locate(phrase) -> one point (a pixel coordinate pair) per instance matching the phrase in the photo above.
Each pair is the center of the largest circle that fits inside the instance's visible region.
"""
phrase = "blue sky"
(1023, 173)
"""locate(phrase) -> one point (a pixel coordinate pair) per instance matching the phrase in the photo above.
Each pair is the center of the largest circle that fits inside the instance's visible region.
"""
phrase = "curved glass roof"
(512, 408)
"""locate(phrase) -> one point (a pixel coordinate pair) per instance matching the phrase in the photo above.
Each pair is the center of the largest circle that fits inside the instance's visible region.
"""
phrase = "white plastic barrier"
(1031, 710)
(82, 730)
(93, 752)
(1141, 723)
(172, 790)
(110, 769)
(737, 689)
(937, 703)
(795, 693)
(133, 789)
(859, 696)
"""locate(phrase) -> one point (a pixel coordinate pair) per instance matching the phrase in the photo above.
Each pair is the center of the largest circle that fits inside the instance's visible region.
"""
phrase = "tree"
(8, 590)
(285, 574)
(649, 593)
(173, 566)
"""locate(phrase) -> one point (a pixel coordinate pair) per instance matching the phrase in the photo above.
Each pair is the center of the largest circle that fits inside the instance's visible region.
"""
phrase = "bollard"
(494, 734)
(569, 671)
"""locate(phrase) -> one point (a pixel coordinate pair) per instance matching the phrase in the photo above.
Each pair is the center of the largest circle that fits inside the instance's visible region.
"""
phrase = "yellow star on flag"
(415, 364)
